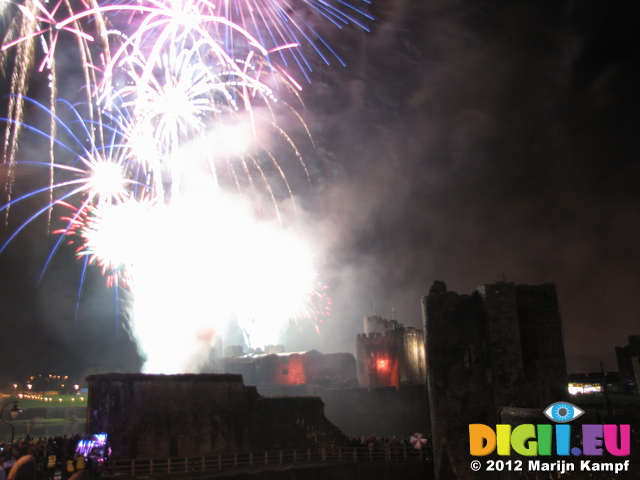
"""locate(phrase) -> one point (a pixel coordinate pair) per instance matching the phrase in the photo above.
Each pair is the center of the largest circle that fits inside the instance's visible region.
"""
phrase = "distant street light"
(15, 410)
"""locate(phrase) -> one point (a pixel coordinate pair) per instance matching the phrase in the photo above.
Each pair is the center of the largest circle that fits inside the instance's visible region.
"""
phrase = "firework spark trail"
(276, 23)
(162, 23)
(19, 80)
(165, 24)
(142, 186)
(97, 173)
(25, 26)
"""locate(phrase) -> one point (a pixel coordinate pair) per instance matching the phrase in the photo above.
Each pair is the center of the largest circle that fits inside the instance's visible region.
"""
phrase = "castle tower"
(499, 347)
(628, 358)
(389, 354)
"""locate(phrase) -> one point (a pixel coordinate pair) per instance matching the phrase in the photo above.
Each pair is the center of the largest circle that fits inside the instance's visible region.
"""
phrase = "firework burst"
(175, 93)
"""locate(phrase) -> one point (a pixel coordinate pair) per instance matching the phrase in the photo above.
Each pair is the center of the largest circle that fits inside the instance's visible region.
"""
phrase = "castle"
(481, 358)
(388, 354)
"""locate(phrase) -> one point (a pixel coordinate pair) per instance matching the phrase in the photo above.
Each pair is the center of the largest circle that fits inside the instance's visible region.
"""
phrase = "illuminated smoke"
(178, 92)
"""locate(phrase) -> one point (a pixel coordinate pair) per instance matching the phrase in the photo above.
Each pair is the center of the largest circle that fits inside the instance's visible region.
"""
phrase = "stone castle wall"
(293, 368)
(160, 416)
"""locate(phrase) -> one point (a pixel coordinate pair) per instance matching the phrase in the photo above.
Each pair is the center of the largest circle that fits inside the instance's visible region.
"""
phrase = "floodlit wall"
(297, 368)
(389, 354)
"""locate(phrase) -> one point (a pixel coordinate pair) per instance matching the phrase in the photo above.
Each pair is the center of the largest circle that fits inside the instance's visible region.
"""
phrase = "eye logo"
(563, 412)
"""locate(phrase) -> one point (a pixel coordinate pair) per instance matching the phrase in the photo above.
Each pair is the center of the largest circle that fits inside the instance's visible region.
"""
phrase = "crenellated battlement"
(389, 354)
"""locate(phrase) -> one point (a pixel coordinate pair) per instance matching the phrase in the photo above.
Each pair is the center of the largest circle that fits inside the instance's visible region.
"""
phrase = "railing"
(212, 463)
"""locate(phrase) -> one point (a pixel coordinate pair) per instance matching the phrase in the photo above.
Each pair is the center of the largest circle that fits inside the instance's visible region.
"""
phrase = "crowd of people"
(55, 457)
(373, 441)
(390, 447)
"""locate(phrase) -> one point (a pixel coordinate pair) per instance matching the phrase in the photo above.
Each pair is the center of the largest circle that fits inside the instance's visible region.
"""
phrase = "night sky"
(464, 141)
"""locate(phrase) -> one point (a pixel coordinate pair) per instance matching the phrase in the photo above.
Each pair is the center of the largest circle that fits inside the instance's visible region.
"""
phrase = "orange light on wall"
(382, 365)
(386, 370)
(297, 374)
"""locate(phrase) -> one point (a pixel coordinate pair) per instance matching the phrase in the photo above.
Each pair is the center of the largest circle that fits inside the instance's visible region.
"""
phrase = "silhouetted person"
(24, 469)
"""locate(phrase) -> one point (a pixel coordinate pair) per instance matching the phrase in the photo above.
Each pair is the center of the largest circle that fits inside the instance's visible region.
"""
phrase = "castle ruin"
(483, 358)
(500, 346)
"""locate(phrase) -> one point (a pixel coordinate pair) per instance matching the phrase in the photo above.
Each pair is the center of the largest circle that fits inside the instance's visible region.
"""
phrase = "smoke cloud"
(477, 142)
